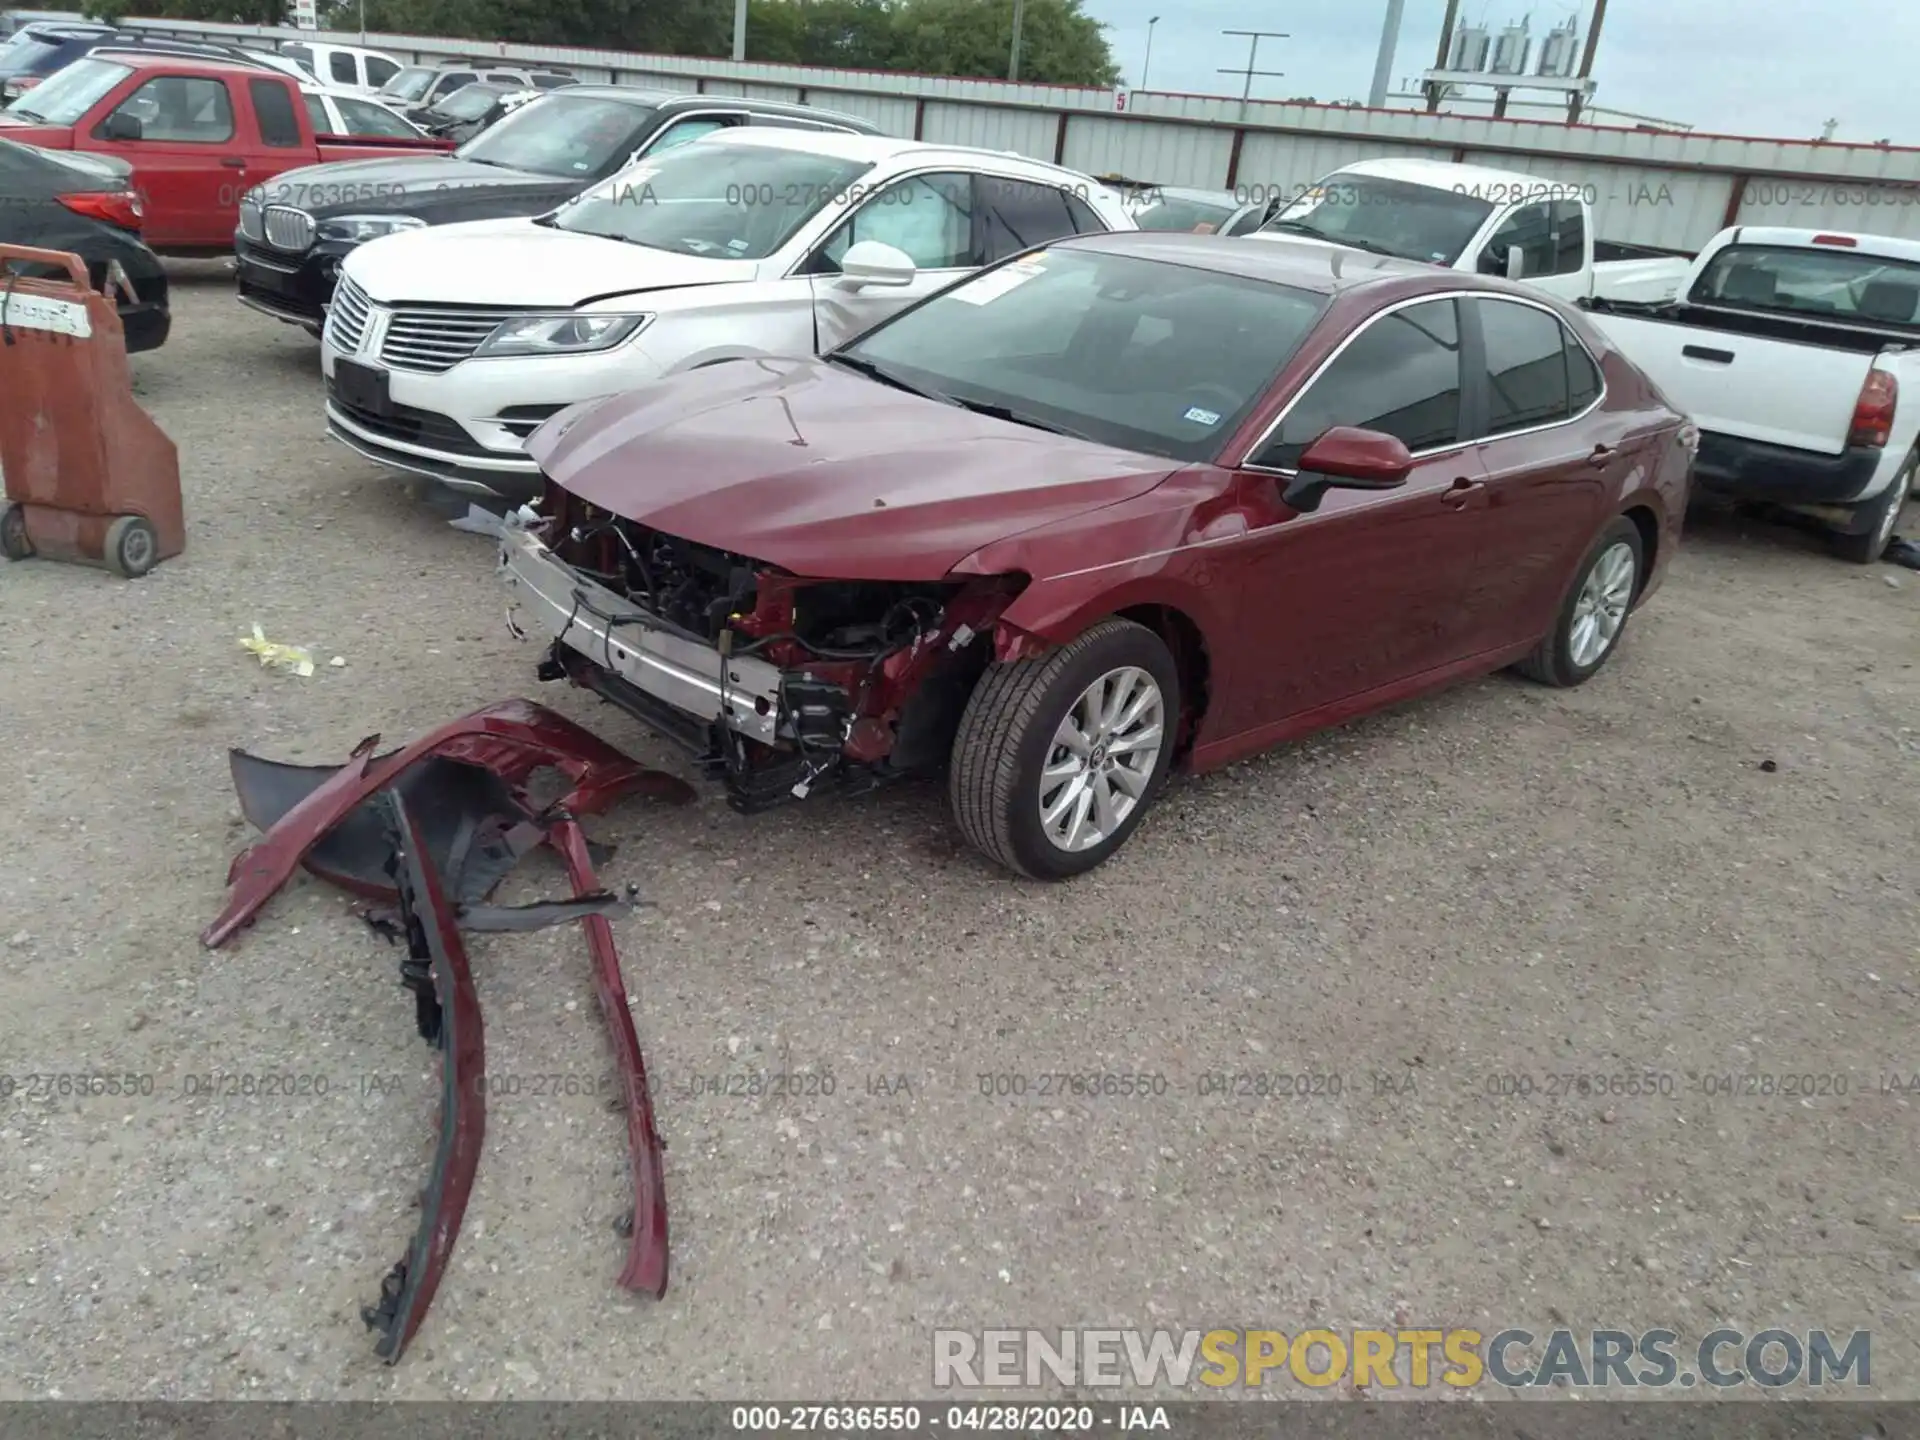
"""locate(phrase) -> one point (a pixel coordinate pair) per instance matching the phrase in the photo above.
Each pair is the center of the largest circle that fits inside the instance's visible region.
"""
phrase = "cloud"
(1745, 67)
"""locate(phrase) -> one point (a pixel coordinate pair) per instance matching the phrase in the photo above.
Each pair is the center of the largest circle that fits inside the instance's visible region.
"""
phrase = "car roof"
(1302, 265)
(138, 57)
(871, 148)
(1444, 174)
(1226, 199)
(64, 29)
(631, 94)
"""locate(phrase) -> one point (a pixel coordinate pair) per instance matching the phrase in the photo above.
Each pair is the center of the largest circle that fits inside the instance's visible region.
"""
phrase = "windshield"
(733, 202)
(1391, 217)
(469, 102)
(23, 52)
(1148, 356)
(363, 117)
(65, 96)
(1192, 216)
(561, 135)
(410, 84)
(1824, 283)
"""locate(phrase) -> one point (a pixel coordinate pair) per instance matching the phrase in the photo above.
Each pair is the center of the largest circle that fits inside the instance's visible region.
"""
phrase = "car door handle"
(1601, 457)
(1460, 492)
(233, 163)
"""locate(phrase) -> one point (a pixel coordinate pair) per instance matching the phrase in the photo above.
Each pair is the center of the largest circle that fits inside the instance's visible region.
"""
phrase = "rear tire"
(1595, 613)
(1031, 744)
(1871, 544)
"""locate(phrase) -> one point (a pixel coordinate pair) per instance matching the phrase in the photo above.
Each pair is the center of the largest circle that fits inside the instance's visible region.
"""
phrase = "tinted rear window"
(1823, 283)
(273, 107)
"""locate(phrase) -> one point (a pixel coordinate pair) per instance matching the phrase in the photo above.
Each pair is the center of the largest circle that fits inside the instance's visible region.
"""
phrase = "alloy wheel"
(1601, 610)
(1102, 759)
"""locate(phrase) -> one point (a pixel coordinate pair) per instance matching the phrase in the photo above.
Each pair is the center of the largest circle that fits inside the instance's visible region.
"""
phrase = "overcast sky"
(1756, 67)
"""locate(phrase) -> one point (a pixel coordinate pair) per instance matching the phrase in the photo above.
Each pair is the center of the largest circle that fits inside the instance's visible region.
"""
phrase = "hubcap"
(1102, 756)
(1602, 607)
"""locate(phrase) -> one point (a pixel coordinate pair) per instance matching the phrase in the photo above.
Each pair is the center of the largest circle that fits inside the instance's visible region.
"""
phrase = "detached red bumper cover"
(453, 808)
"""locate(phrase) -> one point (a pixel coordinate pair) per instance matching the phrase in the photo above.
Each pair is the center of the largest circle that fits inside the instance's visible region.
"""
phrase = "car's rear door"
(1364, 592)
(1553, 455)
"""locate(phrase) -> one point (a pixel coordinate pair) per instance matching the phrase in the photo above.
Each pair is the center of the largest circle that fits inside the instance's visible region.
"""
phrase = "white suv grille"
(436, 340)
(347, 317)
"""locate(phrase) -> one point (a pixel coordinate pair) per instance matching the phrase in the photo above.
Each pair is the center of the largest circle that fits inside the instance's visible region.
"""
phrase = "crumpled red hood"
(825, 473)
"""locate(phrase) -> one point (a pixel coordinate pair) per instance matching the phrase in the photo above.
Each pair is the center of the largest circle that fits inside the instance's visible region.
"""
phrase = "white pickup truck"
(1797, 353)
(1469, 217)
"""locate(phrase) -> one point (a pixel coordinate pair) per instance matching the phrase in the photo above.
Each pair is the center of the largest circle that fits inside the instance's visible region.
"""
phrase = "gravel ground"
(1699, 865)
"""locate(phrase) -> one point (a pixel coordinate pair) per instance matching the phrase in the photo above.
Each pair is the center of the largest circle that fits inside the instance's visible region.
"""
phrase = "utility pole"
(1145, 65)
(1253, 58)
(739, 29)
(1586, 58)
(1440, 59)
(1383, 64)
(1013, 64)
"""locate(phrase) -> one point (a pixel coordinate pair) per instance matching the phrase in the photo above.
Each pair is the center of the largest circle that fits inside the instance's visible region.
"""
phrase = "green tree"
(852, 34)
(1060, 44)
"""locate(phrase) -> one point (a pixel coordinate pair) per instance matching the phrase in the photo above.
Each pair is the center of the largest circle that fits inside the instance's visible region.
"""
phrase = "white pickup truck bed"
(1797, 353)
(1798, 392)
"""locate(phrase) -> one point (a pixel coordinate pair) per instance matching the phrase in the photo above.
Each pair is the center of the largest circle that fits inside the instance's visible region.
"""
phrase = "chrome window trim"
(1393, 309)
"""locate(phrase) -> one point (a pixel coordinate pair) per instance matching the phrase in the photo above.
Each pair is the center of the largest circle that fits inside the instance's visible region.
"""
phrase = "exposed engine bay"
(869, 677)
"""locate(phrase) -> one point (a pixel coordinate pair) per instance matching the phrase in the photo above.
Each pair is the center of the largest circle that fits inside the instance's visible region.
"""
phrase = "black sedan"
(85, 205)
(296, 229)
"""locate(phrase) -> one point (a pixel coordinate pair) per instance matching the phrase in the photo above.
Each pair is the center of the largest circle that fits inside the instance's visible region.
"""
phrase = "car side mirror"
(122, 126)
(1347, 458)
(874, 262)
(1516, 262)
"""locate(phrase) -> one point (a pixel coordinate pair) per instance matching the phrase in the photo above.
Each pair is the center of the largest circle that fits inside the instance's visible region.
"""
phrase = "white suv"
(446, 347)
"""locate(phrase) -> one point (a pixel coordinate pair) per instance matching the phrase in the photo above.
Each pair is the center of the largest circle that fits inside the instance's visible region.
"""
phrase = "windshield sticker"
(1203, 417)
(738, 245)
(991, 287)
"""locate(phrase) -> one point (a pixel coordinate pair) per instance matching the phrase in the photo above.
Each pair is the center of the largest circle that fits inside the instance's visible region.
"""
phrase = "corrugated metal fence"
(1659, 188)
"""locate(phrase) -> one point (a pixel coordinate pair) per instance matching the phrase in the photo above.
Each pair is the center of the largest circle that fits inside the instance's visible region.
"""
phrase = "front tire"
(1594, 616)
(1058, 758)
(1871, 543)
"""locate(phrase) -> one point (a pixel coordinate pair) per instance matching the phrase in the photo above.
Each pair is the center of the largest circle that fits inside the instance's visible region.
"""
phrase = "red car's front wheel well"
(1189, 647)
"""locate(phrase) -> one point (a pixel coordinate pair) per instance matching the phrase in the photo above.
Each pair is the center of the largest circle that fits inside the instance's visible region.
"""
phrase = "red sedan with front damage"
(1124, 504)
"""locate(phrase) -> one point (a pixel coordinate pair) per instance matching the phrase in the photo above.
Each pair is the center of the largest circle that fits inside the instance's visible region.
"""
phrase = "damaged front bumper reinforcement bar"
(447, 1011)
(430, 831)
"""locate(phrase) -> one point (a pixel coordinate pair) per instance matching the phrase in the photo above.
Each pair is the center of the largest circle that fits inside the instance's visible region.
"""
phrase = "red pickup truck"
(198, 133)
